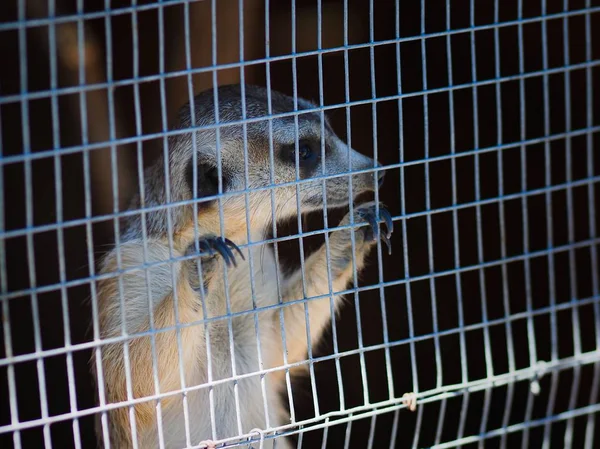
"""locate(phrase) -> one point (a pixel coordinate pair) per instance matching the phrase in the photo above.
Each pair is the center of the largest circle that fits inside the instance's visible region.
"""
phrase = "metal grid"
(442, 391)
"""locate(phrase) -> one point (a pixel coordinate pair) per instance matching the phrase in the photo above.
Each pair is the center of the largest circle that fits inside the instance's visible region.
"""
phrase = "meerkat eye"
(304, 151)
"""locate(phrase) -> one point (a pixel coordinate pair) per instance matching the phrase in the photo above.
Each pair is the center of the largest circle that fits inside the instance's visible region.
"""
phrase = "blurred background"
(489, 235)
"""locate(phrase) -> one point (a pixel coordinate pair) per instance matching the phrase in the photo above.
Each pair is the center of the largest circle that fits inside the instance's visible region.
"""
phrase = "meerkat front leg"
(169, 291)
(341, 264)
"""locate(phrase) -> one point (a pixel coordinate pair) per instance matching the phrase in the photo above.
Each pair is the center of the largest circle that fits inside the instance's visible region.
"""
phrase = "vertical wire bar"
(456, 235)
(394, 432)
(332, 312)
(192, 106)
(115, 191)
(430, 253)
(434, 311)
(221, 213)
(142, 192)
(524, 206)
(88, 226)
(348, 433)
(247, 205)
(548, 183)
(525, 225)
(325, 434)
(417, 435)
(6, 327)
(594, 392)
(480, 256)
(371, 438)
(382, 303)
(568, 437)
(363, 367)
(53, 57)
(502, 220)
(590, 173)
(174, 277)
(436, 340)
(463, 415)
(478, 218)
(300, 438)
(273, 208)
(440, 424)
(591, 422)
(550, 234)
(311, 366)
(25, 131)
(486, 411)
(405, 257)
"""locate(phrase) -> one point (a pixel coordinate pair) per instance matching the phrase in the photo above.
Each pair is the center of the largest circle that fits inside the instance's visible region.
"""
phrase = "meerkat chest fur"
(240, 340)
(239, 309)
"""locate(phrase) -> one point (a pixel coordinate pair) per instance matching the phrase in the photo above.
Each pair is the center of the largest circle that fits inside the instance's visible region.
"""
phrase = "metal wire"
(468, 390)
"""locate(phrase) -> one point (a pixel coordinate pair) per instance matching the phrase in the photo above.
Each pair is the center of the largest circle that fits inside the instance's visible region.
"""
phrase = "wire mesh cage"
(228, 304)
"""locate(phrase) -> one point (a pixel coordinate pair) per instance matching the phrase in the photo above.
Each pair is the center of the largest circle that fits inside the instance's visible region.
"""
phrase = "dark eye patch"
(309, 155)
(207, 179)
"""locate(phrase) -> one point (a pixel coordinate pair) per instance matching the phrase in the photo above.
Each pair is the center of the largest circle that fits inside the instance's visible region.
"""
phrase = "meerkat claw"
(234, 246)
(387, 242)
(373, 231)
(204, 246)
(389, 223)
(213, 245)
(226, 252)
(216, 246)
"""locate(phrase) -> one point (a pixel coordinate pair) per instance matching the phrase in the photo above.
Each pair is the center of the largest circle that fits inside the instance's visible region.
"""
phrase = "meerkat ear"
(207, 179)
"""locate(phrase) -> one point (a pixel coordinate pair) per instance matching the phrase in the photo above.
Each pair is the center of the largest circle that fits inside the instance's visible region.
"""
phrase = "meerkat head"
(257, 158)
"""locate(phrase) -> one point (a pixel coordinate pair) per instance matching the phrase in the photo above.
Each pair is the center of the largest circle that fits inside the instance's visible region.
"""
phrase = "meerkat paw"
(211, 246)
(368, 212)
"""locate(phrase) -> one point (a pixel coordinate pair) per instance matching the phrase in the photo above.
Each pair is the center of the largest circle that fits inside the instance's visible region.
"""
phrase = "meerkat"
(182, 276)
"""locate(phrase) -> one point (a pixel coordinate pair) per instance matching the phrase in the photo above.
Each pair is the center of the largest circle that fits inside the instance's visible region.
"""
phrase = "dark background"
(560, 276)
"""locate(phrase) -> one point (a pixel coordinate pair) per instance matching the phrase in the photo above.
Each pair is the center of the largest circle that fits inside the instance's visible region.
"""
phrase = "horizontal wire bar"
(328, 422)
(587, 410)
(105, 14)
(453, 391)
(371, 348)
(426, 397)
(237, 65)
(129, 213)
(471, 327)
(174, 132)
(108, 13)
(144, 266)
